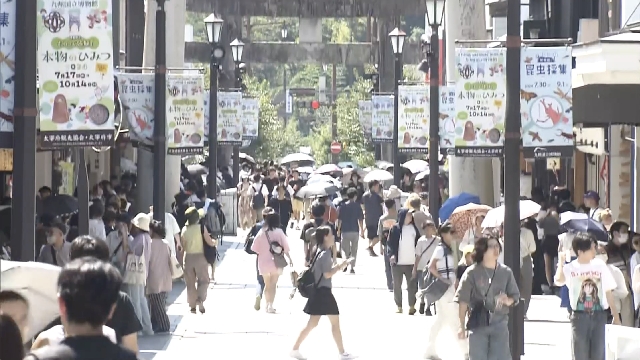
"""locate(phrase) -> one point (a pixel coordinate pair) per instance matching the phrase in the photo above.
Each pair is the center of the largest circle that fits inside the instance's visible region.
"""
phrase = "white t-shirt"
(588, 284)
(407, 246)
(444, 264)
(172, 228)
(97, 229)
(425, 249)
(55, 335)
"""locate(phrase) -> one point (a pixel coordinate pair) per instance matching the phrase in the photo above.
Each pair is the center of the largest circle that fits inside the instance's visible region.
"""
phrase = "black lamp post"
(435, 14)
(237, 48)
(397, 37)
(214, 30)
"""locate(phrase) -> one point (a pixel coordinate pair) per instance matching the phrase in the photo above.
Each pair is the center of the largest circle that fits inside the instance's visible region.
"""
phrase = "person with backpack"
(386, 222)
(321, 301)
(259, 194)
(401, 244)
(196, 272)
(350, 225)
(214, 221)
(308, 230)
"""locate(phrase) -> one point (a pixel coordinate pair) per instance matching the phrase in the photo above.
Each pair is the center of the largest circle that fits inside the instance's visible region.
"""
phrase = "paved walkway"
(371, 329)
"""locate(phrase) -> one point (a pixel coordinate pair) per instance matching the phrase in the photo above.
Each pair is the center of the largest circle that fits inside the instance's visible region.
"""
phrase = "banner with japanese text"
(382, 111)
(413, 118)
(546, 101)
(137, 95)
(480, 102)
(75, 64)
(364, 115)
(250, 118)
(7, 65)
(230, 118)
(185, 114)
(447, 118)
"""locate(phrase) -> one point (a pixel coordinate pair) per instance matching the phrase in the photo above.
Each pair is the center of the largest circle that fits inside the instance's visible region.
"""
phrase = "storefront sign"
(480, 102)
(447, 118)
(230, 118)
(250, 118)
(382, 119)
(545, 102)
(364, 114)
(7, 63)
(413, 118)
(75, 63)
(185, 114)
(137, 94)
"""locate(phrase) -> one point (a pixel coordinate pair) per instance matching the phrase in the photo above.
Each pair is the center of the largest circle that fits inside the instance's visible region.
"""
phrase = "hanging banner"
(230, 118)
(447, 118)
(7, 64)
(185, 114)
(382, 118)
(250, 118)
(137, 94)
(67, 179)
(364, 114)
(75, 64)
(545, 102)
(413, 118)
(480, 102)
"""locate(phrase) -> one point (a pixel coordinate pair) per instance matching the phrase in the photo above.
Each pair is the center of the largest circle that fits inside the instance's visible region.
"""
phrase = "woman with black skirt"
(323, 302)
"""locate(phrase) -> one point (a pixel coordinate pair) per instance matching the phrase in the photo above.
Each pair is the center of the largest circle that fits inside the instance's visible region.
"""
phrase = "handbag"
(277, 251)
(176, 269)
(437, 287)
(210, 252)
(480, 316)
(135, 270)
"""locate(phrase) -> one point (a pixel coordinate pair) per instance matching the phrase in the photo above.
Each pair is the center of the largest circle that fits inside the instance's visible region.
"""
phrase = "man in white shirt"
(592, 200)
(258, 203)
(591, 286)
(173, 233)
(96, 225)
(402, 249)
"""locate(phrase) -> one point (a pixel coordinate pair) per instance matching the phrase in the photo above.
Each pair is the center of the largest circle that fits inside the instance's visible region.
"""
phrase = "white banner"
(364, 114)
(447, 118)
(250, 118)
(382, 118)
(230, 118)
(137, 95)
(7, 63)
(413, 118)
(185, 114)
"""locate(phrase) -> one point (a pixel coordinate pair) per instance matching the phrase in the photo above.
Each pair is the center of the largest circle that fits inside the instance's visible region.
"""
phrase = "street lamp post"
(160, 118)
(237, 47)
(435, 14)
(397, 37)
(214, 30)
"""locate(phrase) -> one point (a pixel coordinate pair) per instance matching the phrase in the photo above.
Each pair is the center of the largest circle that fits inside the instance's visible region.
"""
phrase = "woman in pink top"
(269, 238)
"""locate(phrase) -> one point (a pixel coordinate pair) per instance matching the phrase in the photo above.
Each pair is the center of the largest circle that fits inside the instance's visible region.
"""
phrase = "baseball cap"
(592, 195)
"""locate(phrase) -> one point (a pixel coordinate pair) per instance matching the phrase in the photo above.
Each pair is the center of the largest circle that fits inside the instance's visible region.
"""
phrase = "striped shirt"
(445, 264)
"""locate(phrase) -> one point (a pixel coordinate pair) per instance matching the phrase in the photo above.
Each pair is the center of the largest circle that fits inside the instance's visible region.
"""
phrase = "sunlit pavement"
(232, 329)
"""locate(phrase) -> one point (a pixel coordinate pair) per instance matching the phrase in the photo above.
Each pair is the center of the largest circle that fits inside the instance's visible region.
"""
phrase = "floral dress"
(244, 206)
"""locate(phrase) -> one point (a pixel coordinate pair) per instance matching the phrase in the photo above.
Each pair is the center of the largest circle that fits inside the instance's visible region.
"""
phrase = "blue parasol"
(453, 202)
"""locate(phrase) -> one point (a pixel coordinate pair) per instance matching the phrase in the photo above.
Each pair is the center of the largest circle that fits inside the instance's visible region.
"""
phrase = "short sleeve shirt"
(588, 285)
(323, 264)
(445, 262)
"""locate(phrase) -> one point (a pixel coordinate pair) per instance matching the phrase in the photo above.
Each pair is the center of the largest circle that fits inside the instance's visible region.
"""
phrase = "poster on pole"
(545, 102)
(480, 102)
(413, 118)
(382, 111)
(7, 65)
(364, 114)
(75, 65)
(185, 114)
(229, 118)
(137, 95)
(447, 119)
(250, 118)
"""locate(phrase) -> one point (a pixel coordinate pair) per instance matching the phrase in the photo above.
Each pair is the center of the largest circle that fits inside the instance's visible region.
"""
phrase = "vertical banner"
(185, 114)
(67, 181)
(7, 64)
(137, 94)
(364, 114)
(545, 102)
(230, 118)
(480, 102)
(382, 118)
(250, 118)
(75, 64)
(413, 118)
(205, 97)
(447, 118)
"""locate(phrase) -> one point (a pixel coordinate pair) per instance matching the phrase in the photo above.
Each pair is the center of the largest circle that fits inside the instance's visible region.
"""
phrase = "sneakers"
(256, 305)
(296, 354)
(421, 309)
(346, 356)
(412, 310)
(371, 252)
(353, 271)
(399, 311)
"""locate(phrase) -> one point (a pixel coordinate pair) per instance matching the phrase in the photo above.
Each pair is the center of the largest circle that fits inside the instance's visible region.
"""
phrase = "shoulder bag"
(277, 251)
(176, 269)
(437, 287)
(480, 316)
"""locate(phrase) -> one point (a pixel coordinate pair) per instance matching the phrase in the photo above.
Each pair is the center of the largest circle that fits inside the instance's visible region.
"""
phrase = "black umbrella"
(59, 205)
(317, 190)
(197, 169)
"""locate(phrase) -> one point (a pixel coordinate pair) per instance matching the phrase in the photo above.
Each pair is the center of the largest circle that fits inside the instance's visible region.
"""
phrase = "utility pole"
(160, 116)
(334, 113)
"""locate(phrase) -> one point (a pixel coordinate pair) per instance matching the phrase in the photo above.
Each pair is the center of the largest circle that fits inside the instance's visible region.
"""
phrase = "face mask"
(623, 238)
(602, 257)
(51, 240)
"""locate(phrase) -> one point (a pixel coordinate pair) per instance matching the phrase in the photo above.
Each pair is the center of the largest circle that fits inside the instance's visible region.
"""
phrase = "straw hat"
(141, 221)
(394, 192)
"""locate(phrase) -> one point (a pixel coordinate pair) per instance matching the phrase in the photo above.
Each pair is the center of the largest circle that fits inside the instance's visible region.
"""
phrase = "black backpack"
(307, 284)
(258, 201)
(210, 252)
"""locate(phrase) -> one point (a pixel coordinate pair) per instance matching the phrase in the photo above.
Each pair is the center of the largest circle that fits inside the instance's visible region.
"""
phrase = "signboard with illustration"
(75, 64)
(480, 102)
(364, 114)
(545, 102)
(137, 95)
(413, 118)
(185, 114)
(7, 63)
(230, 118)
(447, 118)
(382, 109)
(250, 118)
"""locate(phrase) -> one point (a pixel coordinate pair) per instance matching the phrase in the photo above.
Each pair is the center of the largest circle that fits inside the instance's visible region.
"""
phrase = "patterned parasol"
(463, 216)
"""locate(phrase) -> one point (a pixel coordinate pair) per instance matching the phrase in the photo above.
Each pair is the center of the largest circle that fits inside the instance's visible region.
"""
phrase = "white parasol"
(495, 217)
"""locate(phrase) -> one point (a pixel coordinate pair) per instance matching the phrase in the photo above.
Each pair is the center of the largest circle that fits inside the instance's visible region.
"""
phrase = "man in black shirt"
(88, 292)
